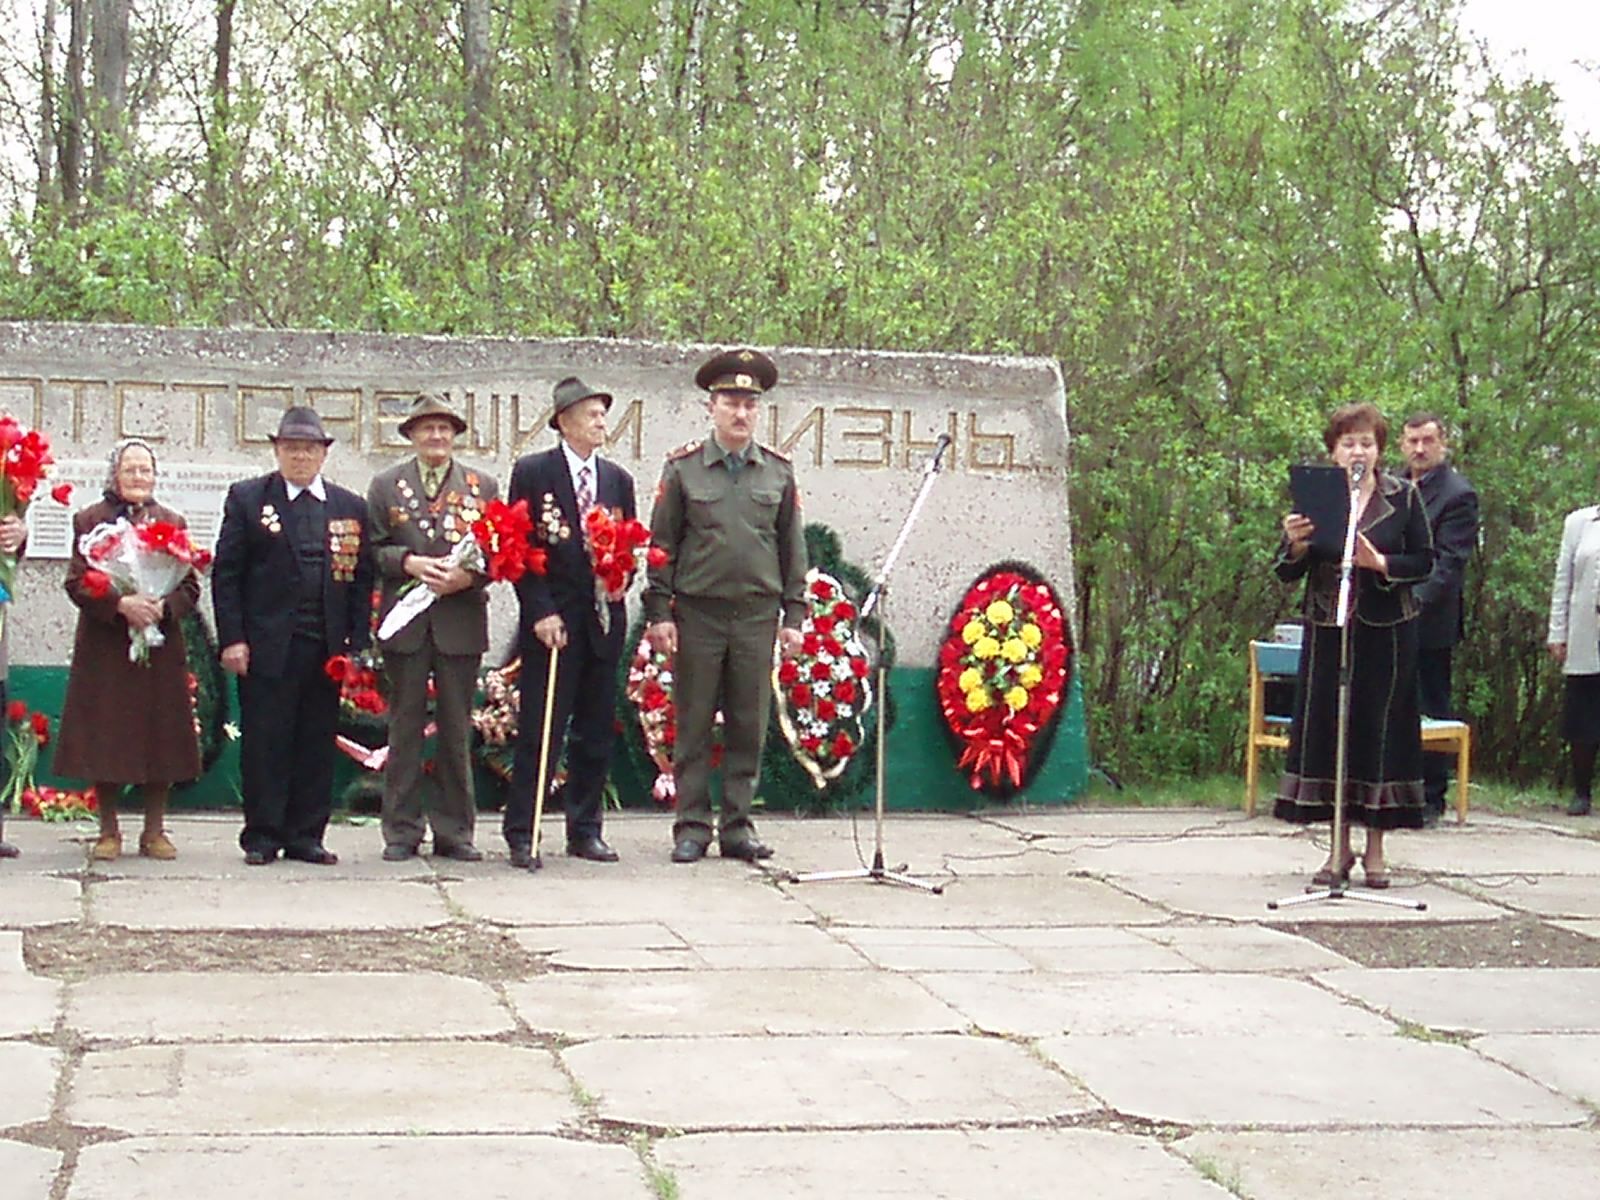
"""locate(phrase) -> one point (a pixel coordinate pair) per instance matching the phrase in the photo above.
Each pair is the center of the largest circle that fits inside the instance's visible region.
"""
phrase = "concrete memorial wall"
(858, 425)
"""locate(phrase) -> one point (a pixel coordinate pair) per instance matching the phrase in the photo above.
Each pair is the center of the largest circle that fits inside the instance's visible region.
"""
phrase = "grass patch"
(1213, 1172)
(1425, 1033)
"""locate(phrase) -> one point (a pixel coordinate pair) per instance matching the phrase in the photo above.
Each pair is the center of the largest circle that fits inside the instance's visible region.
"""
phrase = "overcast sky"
(1558, 40)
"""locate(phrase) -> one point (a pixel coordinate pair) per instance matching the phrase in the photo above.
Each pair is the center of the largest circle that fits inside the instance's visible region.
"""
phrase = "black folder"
(1323, 494)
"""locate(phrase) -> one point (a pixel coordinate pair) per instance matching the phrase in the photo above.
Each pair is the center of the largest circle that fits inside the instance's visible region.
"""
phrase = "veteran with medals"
(291, 585)
(419, 511)
(727, 513)
(560, 614)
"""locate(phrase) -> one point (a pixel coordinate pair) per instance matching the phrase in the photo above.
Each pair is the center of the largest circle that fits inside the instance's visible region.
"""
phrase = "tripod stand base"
(877, 873)
(1341, 893)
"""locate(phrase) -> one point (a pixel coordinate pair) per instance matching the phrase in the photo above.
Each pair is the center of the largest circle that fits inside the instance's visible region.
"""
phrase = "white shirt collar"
(576, 464)
(316, 487)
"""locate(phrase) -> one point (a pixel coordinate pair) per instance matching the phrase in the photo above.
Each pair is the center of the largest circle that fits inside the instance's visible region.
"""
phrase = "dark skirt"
(1383, 764)
(1580, 720)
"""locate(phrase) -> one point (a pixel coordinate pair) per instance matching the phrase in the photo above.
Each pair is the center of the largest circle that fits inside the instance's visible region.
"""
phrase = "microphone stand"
(879, 594)
(1339, 888)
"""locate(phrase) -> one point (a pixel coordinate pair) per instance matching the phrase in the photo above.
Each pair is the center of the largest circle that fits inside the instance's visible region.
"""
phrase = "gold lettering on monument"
(340, 410)
(816, 421)
(881, 438)
(992, 451)
(912, 450)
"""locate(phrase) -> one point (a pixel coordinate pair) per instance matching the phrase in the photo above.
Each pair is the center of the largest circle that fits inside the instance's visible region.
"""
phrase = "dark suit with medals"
(445, 642)
(585, 700)
(293, 581)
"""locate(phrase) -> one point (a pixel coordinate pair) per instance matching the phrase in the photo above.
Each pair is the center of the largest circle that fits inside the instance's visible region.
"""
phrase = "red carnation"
(337, 668)
(811, 743)
(800, 695)
(844, 611)
(810, 645)
(845, 692)
(827, 710)
(822, 624)
(859, 667)
(61, 493)
(16, 711)
(822, 589)
(820, 671)
(96, 583)
(788, 672)
(833, 646)
(656, 557)
(842, 746)
(41, 728)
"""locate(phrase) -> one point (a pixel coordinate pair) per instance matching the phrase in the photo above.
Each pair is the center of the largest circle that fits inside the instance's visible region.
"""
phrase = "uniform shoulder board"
(683, 451)
(777, 454)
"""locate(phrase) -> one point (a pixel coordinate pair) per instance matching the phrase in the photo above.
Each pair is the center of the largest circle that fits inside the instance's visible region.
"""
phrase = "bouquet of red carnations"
(148, 560)
(25, 462)
(499, 548)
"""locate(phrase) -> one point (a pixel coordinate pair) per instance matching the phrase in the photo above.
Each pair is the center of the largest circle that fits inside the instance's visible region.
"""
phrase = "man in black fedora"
(291, 585)
(559, 612)
(420, 510)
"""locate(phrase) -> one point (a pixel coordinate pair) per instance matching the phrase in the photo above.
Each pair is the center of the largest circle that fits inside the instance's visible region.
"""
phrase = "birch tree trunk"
(477, 69)
(108, 50)
(69, 143)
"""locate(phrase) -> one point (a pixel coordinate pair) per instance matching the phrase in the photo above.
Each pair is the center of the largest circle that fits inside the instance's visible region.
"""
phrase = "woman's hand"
(1367, 556)
(1558, 651)
(12, 533)
(663, 637)
(1297, 531)
(140, 611)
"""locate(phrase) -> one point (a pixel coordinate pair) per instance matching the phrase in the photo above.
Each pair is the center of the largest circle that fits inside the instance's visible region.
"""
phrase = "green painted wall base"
(919, 771)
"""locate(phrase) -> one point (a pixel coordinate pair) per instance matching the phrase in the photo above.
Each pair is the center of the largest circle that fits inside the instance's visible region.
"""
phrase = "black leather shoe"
(592, 848)
(1579, 807)
(749, 850)
(396, 852)
(522, 857)
(7, 850)
(1431, 817)
(460, 851)
(688, 850)
(317, 856)
(259, 858)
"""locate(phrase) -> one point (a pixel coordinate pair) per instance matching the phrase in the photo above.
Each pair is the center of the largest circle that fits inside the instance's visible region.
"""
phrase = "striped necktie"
(585, 490)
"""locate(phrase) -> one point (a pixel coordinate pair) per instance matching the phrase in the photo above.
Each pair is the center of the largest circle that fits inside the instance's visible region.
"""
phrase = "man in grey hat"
(419, 511)
(560, 614)
(291, 585)
(727, 513)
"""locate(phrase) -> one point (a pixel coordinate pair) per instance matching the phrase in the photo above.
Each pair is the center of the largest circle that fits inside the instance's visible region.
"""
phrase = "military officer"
(728, 514)
(420, 511)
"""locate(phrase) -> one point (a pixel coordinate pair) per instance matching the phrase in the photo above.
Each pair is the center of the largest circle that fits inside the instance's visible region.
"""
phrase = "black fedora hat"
(432, 404)
(741, 370)
(300, 425)
(573, 390)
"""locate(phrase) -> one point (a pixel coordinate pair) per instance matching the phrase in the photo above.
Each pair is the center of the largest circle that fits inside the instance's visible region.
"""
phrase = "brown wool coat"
(123, 722)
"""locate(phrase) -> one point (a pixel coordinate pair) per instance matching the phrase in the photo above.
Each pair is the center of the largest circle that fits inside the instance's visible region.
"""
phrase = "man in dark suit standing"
(560, 613)
(420, 510)
(1452, 507)
(291, 585)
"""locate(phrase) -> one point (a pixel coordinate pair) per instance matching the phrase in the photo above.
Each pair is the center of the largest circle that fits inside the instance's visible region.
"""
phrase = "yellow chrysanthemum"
(1031, 676)
(972, 631)
(1032, 635)
(999, 612)
(970, 678)
(986, 647)
(1014, 651)
(1017, 698)
(977, 700)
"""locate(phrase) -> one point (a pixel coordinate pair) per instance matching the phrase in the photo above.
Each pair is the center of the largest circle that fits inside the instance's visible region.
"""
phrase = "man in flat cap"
(419, 512)
(727, 513)
(291, 585)
(560, 613)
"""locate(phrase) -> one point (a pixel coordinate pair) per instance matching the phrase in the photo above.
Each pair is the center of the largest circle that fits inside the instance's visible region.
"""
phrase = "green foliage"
(211, 705)
(1222, 218)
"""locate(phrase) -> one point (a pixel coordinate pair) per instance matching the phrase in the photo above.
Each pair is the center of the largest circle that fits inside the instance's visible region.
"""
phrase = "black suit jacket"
(255, 581)
(543, 480)
(1452, 507)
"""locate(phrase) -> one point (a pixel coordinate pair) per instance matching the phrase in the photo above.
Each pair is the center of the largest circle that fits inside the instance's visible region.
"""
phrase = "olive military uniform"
(731, 526)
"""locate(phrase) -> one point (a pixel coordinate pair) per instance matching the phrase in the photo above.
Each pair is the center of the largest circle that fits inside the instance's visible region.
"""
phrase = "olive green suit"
(736, 560)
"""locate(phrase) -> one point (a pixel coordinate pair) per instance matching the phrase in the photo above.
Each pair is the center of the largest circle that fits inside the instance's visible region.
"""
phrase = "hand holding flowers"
(143, 565)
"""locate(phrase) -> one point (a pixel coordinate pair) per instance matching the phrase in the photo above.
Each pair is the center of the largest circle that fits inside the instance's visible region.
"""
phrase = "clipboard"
(1322, 493)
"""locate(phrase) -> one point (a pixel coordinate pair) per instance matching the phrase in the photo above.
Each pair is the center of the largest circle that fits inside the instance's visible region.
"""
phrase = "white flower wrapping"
(417, 598)
(113, 548)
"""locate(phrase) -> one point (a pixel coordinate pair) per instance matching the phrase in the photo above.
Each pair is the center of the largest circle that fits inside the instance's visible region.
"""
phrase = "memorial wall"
(858, 425)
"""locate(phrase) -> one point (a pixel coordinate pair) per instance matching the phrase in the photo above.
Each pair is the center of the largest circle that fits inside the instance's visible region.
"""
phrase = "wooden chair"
(1281, 660)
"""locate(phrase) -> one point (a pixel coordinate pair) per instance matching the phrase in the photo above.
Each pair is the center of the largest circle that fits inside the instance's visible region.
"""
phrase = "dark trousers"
(405, 785)
(724, 661)
(1433, 688)
(286, 751)
(583, 719)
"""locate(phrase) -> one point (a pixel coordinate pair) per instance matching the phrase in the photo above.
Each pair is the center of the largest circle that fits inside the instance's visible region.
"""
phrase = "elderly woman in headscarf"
(127, 723)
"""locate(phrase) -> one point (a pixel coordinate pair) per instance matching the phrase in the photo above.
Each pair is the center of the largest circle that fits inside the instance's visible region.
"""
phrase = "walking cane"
(544, 756)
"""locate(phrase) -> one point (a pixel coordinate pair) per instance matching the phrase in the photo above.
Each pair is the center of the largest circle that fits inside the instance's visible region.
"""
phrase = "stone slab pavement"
(1097, 995)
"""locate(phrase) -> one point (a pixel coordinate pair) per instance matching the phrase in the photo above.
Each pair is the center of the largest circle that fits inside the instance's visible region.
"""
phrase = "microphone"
(939, 448)
(1358, 471)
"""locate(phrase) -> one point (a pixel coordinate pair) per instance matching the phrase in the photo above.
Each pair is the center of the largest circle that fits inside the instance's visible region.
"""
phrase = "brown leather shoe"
(7, 850)
(108, 848)
(157, 845)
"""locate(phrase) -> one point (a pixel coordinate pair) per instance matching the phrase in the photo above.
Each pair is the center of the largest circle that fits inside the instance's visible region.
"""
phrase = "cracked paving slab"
(1480, 999)
(265, 902)
(28, 1171)
(836, 1082)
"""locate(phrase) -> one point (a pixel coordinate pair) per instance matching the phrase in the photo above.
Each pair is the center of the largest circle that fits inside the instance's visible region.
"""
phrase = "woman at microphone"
(1393, 551)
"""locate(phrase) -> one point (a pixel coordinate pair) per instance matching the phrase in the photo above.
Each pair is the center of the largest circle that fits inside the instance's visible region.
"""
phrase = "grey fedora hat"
(432, 404)
(573, 390)
(300, 425)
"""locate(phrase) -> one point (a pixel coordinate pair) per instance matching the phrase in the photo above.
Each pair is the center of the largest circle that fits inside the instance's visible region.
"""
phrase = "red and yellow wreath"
(1002, 675)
